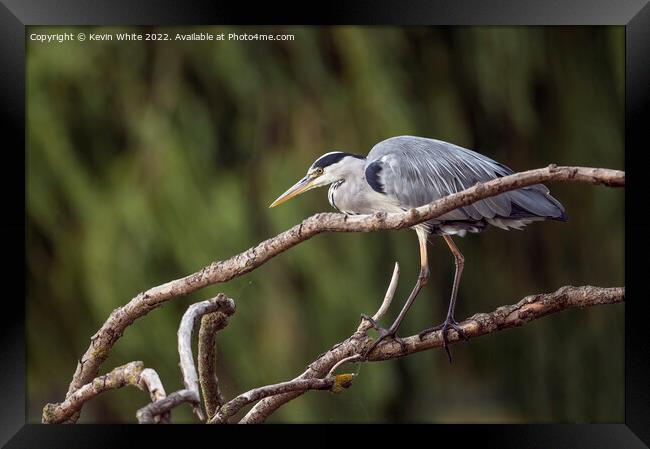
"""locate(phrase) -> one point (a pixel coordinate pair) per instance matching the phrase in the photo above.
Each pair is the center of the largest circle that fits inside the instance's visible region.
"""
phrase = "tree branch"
(333, 383)
(210, 325)
(130, 374)
(151, 381)
(385, 304)
(190, 378)
(147, 414)
(505, 317)
(220, 307)
(222, 271)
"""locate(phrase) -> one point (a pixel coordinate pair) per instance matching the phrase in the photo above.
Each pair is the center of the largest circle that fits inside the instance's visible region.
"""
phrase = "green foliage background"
(148, 160)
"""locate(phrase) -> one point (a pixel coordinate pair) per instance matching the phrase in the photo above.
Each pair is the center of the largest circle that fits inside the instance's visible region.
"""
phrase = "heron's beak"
(301, 186)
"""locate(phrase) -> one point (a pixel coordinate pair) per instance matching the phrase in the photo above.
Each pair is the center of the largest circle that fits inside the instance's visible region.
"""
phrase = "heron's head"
(328, 168)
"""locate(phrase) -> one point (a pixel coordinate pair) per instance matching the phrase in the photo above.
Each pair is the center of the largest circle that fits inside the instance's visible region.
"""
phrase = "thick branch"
(528, 309)
(219, 307)
(222, 271)
(190, 378)
(210, 325)
(130, 374)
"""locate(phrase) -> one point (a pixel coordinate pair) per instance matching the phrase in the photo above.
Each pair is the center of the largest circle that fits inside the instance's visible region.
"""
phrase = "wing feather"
(416, 171)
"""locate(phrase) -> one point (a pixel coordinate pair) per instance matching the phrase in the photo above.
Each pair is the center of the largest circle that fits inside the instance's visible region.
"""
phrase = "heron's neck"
(344, 192)
(351, 170)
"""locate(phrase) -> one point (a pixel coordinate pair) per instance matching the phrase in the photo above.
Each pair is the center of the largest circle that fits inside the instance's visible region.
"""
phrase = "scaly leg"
(450, 322)
(422, 280)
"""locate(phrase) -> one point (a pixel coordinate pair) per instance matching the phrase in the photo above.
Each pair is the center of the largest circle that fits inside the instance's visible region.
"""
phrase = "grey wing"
(416, 171)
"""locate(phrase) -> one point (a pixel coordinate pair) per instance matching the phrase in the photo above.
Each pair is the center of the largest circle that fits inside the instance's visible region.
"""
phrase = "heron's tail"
(536, 201)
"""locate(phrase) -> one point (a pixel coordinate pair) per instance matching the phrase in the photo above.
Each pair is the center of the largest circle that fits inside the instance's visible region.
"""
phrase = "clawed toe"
(371, 320)
(383, 334)
(449, 323)
(401, 342)
(461, 333)
(429, 331)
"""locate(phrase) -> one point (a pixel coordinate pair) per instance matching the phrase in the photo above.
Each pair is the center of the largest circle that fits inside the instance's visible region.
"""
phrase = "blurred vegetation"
(148, 160)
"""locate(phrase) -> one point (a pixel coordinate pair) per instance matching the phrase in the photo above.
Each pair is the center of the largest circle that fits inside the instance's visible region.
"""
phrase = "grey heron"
(404, 172)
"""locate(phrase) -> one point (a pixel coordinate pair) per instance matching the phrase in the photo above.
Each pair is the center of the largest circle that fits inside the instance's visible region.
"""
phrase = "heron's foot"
(383, 334)
(371, 320)
(449, 323)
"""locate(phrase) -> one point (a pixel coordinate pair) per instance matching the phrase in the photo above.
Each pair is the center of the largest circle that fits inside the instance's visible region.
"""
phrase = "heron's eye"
(318, 171)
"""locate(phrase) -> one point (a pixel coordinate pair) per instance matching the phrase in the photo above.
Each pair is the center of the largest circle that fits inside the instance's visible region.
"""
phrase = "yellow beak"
(301, 186)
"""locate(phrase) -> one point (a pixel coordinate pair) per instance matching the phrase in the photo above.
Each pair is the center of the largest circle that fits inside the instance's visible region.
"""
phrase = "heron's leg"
(459, 261)
(450, 322)
(421, 282)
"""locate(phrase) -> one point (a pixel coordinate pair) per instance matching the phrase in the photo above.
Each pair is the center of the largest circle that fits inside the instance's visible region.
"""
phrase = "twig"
(366, 324)
(352, 358)
(222, 271)
(332, 383)
(528, 309)
(190, 378)
(147, 413)
(150, 381)
(388, 299)
(210, 325)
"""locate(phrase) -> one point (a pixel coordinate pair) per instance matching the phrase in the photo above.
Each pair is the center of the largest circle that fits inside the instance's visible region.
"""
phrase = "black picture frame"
(15, 15)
